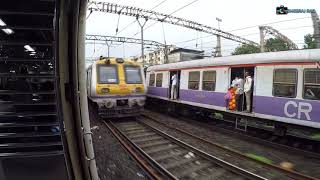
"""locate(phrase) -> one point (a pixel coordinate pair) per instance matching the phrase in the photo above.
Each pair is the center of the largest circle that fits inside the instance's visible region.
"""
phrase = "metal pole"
(316, 26)
(142, 43)
(108, 48)
(108, 51)
(262, 47)
(218, 47)
(166, 60)
(82, 92)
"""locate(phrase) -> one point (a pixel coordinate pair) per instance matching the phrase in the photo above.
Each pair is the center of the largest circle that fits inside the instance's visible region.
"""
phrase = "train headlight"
(132, 102)
(108, 104)
(141, 102)
(139, 90)
(105, 90)
(100, 105)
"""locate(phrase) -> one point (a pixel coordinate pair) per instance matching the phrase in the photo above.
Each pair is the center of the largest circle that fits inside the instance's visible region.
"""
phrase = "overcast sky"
(235, 15)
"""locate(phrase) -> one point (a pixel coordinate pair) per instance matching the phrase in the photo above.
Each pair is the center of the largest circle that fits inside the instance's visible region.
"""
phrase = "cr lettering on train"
(293, 109)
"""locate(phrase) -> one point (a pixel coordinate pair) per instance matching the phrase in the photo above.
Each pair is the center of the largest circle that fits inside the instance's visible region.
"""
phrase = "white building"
(174, 54)
(155, 57)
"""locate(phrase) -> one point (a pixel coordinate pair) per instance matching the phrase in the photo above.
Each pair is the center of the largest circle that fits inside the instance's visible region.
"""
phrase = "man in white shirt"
(234, 82)
(239, 92)
(247, 90)
(174, 87)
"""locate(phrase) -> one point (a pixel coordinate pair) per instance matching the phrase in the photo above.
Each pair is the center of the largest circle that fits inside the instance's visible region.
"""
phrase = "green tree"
(309, 41)
(276, 44)
(271, 45)
(246, 49)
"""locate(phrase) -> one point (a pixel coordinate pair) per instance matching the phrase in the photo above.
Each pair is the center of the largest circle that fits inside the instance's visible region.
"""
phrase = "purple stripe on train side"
(307, 110)
(158, 91)
(203, 97)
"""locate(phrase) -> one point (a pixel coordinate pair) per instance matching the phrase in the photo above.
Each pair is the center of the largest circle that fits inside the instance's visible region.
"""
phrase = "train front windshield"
(133, 75)
(108, 74)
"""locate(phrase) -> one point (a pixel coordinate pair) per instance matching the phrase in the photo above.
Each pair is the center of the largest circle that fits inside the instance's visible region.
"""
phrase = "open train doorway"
(242, 79)
(174, 82)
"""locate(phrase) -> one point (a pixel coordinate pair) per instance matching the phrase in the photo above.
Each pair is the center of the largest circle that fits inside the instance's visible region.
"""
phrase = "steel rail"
(132, 150)
(217, 160)
(212, 159)
(291, 173)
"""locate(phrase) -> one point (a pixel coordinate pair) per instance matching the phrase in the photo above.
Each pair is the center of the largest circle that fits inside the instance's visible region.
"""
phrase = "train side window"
(159, 80)
(209, 80)
(285, 83)
(152, 79)
(194, 79)
(311, 86)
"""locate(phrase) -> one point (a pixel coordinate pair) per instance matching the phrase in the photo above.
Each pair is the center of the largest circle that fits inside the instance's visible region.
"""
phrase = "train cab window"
(133, 74)
(152, 79)
(209, 80)
(311, 87)
(89, 78)
(107, 74)
(285, 83)
(194, 79)
(159, 80)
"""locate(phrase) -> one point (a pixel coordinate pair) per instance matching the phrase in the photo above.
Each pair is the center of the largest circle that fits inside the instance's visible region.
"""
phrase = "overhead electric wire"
(136, 20)
(285, 29)
(275, 22)
(118, 32)
(244, 35)
(248, 27)
(179, 9)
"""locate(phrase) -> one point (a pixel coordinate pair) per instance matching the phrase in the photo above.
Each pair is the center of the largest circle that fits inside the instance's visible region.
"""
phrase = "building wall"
(155, 57)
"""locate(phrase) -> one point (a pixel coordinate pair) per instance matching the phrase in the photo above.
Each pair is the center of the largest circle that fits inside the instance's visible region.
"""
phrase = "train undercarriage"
(240, 122)
(120, 108)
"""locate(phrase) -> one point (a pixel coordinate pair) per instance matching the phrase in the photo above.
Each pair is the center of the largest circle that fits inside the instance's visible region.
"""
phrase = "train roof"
(114, 60)
(309, 55)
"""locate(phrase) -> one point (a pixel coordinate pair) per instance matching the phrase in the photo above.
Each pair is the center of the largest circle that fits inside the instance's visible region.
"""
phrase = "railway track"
(288, 172)
(227, 127)
(165, 157)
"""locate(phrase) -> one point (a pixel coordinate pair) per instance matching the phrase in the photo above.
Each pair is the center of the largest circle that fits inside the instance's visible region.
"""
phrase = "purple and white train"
(286, 89)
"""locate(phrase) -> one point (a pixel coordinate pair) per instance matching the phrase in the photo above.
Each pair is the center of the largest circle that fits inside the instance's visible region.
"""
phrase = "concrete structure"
(155, 57)
(174, 55)
(181, 54)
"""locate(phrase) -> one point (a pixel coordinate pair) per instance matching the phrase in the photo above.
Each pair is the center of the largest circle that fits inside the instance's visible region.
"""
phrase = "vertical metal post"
(108, 48)
(316, 26)
(108, 51)
(262, 47)
(142, 43)
(166, 60)
(218, 47)
(82, 89)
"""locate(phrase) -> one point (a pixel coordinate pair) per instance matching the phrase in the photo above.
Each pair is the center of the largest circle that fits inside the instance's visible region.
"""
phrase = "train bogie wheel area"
(171, 108)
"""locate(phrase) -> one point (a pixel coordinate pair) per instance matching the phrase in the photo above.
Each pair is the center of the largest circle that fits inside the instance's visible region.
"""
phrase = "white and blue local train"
(286, 88)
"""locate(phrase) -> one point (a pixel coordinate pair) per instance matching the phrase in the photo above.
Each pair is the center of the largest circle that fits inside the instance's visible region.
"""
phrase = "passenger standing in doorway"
(174, 86)
(239, 93)
(247, 90)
